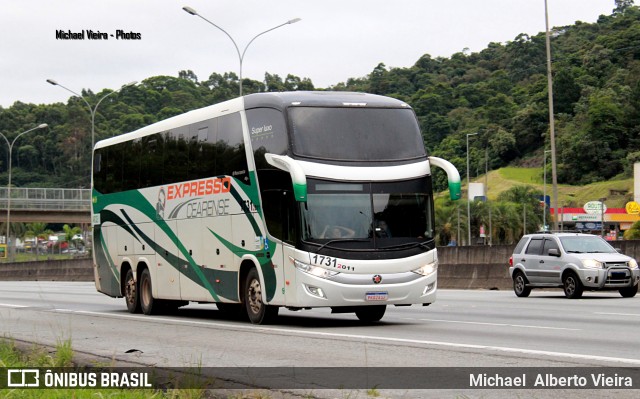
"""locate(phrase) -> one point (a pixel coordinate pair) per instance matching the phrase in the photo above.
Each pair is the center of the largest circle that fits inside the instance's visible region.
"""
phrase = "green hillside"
(498, 96)
(617, 192)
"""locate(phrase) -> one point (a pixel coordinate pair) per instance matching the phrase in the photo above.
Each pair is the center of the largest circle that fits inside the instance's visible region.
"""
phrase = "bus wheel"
(131, 295)
(370, 314)
(257, 311)
(146, 296)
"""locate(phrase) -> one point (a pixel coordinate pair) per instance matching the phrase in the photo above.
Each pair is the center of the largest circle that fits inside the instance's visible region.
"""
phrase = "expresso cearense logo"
(199, 188)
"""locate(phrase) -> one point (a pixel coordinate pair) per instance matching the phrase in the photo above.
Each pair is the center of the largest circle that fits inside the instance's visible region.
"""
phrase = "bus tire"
(131, 293)
(257, 311)
(371, 314)
(146, 293)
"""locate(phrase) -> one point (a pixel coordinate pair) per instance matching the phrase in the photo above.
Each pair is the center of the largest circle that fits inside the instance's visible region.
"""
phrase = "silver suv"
(572, 261)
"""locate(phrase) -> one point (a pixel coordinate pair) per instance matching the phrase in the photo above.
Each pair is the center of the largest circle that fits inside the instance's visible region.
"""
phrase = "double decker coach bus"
(296, 200)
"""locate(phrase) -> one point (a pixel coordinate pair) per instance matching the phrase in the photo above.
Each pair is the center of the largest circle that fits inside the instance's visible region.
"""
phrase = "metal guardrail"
(47, 199)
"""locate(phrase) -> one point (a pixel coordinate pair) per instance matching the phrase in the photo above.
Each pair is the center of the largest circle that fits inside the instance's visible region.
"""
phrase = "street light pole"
(468, 192)
(544, 192)
(552, 134)
(10, 145)
(92, 110)
(191, 11)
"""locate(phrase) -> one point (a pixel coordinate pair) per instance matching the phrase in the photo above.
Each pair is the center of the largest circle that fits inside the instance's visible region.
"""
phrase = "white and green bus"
(296, 200)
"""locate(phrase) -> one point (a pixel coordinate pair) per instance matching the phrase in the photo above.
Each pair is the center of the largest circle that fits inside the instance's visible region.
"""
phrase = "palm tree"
(38, 231)
(70, 232)
(446, 220)
(507, 223)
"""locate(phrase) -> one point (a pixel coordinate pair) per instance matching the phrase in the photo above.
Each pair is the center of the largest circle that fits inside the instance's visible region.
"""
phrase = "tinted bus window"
(356, 134)
(231, 159)
(268, 134)
(204, 149)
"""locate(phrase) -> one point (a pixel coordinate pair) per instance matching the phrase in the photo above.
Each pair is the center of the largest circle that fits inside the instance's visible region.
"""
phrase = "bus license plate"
(377, 296)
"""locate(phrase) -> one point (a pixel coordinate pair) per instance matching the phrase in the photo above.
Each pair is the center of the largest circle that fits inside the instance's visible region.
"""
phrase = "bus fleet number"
(329, 262)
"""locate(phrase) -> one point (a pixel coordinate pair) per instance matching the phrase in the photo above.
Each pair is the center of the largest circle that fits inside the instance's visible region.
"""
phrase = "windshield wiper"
(406, 245)
(575, 252)
(340, 240)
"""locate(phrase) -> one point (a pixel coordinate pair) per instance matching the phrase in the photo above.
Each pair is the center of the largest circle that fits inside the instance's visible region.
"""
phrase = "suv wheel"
(520, 285)
(572, 286)
(629, 292)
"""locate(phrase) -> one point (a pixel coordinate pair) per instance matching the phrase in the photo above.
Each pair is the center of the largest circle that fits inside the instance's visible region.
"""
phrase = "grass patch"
(616, 192)
(41, 357)
(532, 176)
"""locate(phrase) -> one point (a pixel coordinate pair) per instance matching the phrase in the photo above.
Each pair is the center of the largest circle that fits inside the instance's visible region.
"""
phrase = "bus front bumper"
(363, 290)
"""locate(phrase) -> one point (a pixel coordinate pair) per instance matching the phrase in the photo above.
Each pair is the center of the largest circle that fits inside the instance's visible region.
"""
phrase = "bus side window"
(231, 159)
(279, 213)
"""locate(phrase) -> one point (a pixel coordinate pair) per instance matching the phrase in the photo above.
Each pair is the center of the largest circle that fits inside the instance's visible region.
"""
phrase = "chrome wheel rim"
(254, 296)
(519, 284)
(569, 285)
(146, 291)
(130, 290)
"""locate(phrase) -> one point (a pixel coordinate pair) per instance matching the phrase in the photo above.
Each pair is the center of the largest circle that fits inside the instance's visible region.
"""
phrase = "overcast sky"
(334, 41)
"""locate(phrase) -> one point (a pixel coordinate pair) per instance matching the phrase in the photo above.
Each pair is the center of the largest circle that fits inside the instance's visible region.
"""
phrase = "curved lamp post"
(10, 145)
(552, 134)
(92, 110)
(240, 55)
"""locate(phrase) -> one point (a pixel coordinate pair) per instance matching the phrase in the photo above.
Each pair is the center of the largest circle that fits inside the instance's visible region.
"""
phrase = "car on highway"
(572, 261)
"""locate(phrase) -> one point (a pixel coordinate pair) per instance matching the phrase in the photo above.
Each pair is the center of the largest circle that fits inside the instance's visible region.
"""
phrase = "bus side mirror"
(452, 176)
(298, 178)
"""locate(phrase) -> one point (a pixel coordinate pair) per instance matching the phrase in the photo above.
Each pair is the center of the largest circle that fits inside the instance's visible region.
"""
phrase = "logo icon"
(377, 279)
(23, 378)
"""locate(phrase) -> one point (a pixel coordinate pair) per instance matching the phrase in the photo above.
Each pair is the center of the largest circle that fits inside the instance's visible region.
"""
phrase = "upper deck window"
(355, 134)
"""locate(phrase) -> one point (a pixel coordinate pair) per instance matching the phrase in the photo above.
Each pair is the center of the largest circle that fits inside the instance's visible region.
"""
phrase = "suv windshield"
(586, 244)
(379, 216)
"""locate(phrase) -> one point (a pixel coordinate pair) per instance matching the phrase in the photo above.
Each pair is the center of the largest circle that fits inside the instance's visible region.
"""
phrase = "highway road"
(462, 329)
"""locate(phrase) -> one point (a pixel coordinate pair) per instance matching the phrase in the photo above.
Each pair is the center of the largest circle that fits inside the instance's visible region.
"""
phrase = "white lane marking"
(497, 324)
(618, 314)
(252, 328)
(11, 305)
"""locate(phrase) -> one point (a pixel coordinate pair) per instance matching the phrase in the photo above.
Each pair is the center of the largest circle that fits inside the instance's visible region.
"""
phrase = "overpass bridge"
(49, 205)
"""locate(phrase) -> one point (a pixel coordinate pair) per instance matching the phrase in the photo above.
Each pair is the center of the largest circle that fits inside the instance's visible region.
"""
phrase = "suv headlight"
(427, 269)
(592, 264)
(313, 270)
(633, 264)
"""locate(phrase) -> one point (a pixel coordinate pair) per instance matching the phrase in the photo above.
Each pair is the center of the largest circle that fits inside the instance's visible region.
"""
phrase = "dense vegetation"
(499, 93)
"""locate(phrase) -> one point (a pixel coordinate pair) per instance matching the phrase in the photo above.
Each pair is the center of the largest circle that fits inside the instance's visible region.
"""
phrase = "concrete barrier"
(50, 270)
(480, 267)
(475, 267)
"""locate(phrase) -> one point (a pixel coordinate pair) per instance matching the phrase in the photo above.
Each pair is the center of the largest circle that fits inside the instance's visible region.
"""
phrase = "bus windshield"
(378, 216)
(356, 134)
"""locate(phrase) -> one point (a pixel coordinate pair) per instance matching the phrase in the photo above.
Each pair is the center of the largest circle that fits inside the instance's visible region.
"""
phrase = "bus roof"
(278, 100)
(320, 99)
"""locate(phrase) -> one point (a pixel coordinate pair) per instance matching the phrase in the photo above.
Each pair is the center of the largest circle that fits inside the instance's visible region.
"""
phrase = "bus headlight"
(592, 264)
(427, 269)
(313, 270)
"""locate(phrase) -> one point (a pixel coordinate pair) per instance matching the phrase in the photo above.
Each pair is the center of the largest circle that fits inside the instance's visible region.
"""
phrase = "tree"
(622, 6)
(633, 233)
(38, 231)
(70, 232)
